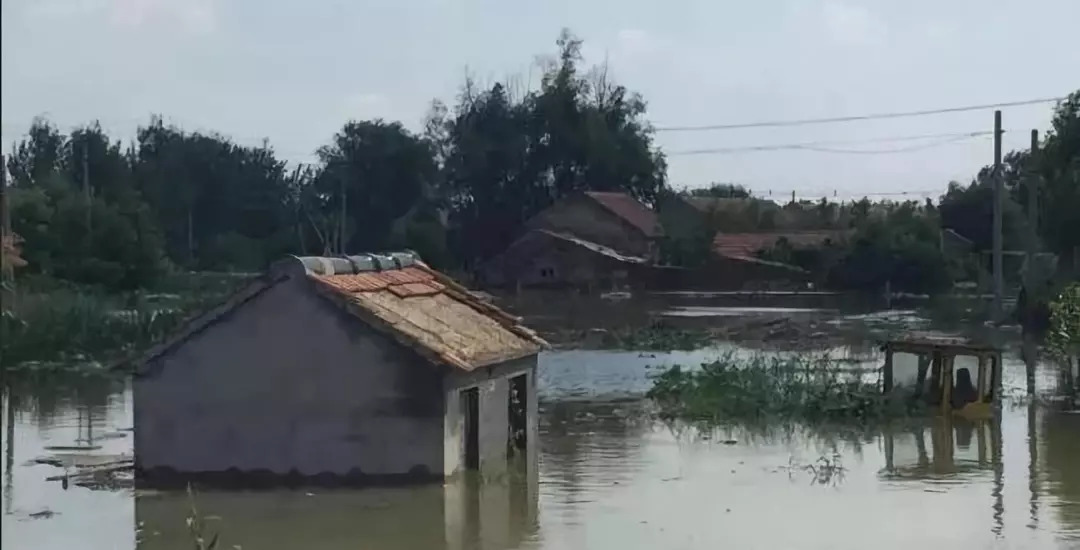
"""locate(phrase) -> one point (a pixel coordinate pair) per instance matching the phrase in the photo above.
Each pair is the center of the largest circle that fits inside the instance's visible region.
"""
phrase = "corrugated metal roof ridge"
(592, 247)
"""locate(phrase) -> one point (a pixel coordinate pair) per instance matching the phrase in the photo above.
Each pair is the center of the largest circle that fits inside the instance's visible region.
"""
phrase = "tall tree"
(384, 172)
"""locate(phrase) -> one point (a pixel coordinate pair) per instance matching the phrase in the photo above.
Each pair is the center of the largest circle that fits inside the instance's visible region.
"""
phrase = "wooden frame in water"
(940, 380)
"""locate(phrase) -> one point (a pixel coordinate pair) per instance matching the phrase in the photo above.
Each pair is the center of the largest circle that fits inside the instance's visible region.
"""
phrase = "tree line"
(94, 210)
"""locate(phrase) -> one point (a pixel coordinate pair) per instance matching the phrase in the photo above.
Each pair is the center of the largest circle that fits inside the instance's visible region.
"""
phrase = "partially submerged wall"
(493, 385)
(289, 383)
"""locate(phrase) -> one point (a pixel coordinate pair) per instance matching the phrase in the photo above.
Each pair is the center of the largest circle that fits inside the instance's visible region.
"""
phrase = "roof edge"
(201, 321)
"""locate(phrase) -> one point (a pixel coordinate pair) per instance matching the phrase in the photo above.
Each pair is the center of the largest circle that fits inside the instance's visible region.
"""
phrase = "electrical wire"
(819, 146)
(875, 116)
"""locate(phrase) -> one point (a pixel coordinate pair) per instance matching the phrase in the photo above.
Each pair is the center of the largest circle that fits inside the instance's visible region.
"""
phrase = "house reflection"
(463, 514)
(945, 446)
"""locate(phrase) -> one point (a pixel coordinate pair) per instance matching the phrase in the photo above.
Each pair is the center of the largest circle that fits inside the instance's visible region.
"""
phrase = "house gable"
(286, 381)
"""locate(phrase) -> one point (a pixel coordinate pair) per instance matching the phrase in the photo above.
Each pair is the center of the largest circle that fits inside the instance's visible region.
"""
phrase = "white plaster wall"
(290, 382)
(494, 387)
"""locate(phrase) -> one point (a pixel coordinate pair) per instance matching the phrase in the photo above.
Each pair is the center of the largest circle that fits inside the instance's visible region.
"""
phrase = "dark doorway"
(518, 403)
(470, 408)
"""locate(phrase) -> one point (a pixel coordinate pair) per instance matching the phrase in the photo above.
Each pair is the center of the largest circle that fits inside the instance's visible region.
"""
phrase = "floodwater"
(609, 477)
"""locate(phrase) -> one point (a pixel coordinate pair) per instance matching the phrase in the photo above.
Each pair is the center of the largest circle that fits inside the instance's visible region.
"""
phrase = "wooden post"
(999, 276)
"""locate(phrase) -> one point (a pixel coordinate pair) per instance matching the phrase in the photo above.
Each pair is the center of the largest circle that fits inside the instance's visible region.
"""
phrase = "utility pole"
(341, 222)
(1032, 204)
(86, 187)
(1029, 273)
(5, 227)
(999, 278)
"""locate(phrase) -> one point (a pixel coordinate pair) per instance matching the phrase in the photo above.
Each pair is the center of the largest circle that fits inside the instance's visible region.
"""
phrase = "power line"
(876, 116)
(818, 146)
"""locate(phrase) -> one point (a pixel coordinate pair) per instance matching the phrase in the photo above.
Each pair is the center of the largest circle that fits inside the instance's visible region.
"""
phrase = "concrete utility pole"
(999, 276)
(341, 222)
(1032, 206)
(5, 226)
(86, 187)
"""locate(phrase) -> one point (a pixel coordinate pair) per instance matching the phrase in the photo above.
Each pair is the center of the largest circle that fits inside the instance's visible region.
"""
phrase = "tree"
(900, 248)
(221, 205)
(506, 158)
(722, 191)
(106, 236)
(970, 212)
(386, 174)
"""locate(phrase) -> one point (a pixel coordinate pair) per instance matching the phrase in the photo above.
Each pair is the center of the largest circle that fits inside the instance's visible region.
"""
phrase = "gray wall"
(494, 391)
(289, 381)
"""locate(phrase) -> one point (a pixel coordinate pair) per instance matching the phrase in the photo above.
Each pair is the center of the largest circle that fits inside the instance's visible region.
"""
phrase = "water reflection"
(465, 514)
(609, 477)
(946, 449)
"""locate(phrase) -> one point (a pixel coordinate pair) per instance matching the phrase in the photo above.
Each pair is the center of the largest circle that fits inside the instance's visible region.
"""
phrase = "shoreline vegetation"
(767, 389)
(55, 327)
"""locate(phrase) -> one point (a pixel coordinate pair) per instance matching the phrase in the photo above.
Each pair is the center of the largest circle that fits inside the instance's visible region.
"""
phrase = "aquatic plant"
(767, 388)
(196, 525)
(1064, 336)
(657, 336)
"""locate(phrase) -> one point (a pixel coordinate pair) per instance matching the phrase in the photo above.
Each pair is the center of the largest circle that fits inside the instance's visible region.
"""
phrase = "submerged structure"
(952, 374)
(355, 369)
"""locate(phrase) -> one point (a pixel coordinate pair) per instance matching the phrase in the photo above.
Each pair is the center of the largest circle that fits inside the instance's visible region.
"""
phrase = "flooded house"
(591, 241)
(357, 369)
(613, 220)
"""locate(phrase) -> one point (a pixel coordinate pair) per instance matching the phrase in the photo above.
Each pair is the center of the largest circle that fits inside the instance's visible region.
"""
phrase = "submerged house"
(351, 369)
(543, 258)
(613, 220)
(590, 240)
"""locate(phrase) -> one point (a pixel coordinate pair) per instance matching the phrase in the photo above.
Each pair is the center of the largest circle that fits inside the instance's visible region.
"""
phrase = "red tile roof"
(629, 209)
(747, 245)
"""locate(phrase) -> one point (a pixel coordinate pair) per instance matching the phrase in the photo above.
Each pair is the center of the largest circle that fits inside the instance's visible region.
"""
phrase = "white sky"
(294, 71)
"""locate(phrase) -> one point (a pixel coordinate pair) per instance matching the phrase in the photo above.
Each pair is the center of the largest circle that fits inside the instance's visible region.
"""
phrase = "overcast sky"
(294, 71)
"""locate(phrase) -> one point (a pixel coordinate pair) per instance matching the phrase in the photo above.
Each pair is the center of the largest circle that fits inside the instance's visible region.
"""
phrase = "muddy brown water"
(609, 477)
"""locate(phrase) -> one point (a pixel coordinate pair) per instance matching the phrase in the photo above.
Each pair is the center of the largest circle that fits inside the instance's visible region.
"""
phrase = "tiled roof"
(747, 245)
(629, 209)
(429, 312)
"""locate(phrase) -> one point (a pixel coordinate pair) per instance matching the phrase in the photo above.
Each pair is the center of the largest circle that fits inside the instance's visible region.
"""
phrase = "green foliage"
(507, 156)
(1064, 334)
(970, 212)
(770, 388)
(386, 173)
(721, 190)
(901, 246)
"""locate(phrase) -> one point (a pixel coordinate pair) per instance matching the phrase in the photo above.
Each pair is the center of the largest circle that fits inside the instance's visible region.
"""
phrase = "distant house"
(543, 258)
(353, 369)
(686, 215)
(613, 220)
(748, 245)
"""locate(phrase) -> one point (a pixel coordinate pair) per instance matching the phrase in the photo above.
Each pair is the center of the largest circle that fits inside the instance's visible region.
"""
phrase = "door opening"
(470, 408)
(517, 440)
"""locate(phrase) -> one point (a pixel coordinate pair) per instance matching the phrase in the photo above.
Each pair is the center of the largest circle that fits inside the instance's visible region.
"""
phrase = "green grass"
(766, 389)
